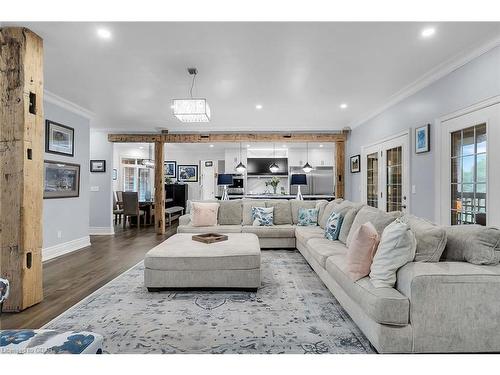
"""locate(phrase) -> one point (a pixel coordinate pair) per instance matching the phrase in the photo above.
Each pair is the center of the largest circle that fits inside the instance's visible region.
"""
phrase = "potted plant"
(274, 182)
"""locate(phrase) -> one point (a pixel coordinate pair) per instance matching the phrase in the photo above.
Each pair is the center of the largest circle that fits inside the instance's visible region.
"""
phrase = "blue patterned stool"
(43, 341)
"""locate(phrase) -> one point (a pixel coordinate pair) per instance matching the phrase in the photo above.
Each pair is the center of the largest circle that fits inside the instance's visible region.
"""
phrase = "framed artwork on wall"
(422, 139)
(61, 180)
(187, 173)
(170, 168)
(355, 164)
(59, 139)
(98, 166)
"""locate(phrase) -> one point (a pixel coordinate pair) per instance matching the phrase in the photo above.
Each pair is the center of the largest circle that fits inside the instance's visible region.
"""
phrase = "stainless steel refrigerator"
(320, 181)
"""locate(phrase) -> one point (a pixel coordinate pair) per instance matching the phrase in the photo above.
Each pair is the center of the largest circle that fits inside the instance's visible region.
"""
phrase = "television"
(260, 166)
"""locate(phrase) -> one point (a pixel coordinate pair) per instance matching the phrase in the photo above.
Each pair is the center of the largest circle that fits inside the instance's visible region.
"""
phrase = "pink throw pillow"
(204, 214)
(361, 251)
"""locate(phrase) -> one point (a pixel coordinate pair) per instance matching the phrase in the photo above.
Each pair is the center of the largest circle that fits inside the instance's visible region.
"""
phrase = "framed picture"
(115, 174)
(170, 168)
(61, 180)
(355, 164)
(98, 166)
(187, 173)
(59, 139)
(422, 140)
(209, 164)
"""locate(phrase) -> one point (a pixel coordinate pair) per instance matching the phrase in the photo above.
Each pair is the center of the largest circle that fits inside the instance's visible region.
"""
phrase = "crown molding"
(66, 104)
(430, 77)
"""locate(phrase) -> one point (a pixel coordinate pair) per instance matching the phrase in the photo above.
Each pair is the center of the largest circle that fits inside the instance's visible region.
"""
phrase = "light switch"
(94, 188)
(413, 189)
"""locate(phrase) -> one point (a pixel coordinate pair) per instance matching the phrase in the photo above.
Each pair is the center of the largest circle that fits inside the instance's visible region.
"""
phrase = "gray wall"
(470, 84)
(101, 201)
(70, 216)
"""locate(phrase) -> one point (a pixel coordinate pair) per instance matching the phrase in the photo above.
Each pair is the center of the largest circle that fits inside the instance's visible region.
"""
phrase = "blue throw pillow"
(262, 216)
(308, 217)
(332, 226)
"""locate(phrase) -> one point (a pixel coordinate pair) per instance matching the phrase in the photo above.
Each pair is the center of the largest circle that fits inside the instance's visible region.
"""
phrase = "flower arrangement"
(274, 182)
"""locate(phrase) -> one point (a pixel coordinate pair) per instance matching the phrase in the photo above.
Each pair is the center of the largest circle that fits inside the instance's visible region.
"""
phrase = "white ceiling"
(299, 72)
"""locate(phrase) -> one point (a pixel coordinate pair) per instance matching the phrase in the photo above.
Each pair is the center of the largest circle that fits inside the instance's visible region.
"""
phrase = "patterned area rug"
(293, 312)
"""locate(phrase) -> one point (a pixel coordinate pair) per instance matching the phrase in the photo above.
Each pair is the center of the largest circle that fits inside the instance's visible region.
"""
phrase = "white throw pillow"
(397, 247)
(204, 214)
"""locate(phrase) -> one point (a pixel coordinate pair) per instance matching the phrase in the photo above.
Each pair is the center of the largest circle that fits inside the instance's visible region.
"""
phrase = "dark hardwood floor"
(70, 278)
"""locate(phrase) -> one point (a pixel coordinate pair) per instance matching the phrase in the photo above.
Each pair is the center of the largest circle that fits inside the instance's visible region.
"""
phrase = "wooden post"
(340, 168)
(21, 165)
(159, 188)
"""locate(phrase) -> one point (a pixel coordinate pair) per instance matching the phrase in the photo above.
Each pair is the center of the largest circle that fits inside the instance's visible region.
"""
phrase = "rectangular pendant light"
(191, 110)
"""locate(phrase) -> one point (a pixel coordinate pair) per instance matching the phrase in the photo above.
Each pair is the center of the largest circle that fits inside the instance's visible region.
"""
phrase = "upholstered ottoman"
(181, 263)
(45, 341)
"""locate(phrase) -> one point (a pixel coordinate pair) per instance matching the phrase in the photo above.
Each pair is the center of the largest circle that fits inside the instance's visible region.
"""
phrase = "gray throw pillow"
(247, 209)
(472, 243)
(431, 239)
(378, 218)
(230, 212)
(349, 217)
(282, 211)
(320, 206)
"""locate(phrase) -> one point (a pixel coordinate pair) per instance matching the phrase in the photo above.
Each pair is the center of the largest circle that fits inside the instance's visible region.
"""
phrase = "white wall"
(66, 220)
(470, 84)
(101, 199)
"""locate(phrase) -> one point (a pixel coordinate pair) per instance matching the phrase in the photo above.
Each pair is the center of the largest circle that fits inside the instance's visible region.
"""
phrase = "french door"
(385, 168)
(469, 178)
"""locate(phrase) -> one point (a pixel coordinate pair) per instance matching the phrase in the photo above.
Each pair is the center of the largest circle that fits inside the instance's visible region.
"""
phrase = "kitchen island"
(279, 196)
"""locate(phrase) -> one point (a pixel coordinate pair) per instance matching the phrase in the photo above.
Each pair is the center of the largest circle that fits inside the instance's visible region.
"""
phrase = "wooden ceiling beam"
(227, 137)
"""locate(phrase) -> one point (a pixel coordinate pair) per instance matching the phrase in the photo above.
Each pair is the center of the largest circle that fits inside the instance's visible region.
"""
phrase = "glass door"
(394, 188)
(372, 179)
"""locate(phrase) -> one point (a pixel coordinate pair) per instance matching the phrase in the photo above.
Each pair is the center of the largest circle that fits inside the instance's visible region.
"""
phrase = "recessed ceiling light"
(428, 32)
(104, 33)
(248, 145)
(320, 145)
(284, 146)
(141, 148)
(258, 106)
(211, 146)
(343, 106)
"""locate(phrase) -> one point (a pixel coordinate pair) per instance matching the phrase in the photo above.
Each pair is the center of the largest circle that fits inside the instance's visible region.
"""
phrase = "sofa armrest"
(454, 306)
(185, 219)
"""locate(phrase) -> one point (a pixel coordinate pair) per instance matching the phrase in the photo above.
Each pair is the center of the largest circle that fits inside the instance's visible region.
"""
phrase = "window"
(372, 179)
(468, 174)
(137, 177)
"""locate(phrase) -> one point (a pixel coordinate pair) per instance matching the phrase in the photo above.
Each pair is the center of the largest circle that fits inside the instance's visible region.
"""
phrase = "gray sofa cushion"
(378, 218)
(230, 212)
(472, 243)
(304, 234)
(431, 239)
(384, 305)
(322, 248)
(247, 209)
(329, 208)
(188, 228)
(275, 231)
(349, 217)
(296, 204)
(321, 206)
(282, 211)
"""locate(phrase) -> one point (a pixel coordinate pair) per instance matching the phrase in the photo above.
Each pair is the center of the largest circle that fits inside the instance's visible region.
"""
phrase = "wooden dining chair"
(117, 211)
(131, 207)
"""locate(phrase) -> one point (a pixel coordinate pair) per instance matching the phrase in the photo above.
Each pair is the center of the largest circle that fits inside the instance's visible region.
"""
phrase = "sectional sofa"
(442, 301)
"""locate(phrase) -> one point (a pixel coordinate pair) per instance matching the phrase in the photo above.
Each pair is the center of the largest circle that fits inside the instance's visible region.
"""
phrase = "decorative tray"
(209, 237)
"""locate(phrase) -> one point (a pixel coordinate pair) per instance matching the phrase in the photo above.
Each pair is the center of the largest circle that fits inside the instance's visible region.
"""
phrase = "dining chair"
(131, 207)
(119, 198)
(117, 211)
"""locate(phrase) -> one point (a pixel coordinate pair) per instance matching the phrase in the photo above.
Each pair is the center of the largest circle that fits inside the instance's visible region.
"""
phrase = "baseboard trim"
(55, 251)
(101, 231)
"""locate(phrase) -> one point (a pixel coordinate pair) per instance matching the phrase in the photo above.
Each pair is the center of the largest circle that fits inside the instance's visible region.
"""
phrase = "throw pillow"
(378, 218)
(397, 247)
(230, 212)
(360, 254)
(431, 239)
(204, 214)
(307, 217)
(349, 217)
(333, 225)
(472, 243)
(262, 216)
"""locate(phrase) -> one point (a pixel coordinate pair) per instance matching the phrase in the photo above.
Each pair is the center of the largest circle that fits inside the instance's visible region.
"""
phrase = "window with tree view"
(468, 175)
